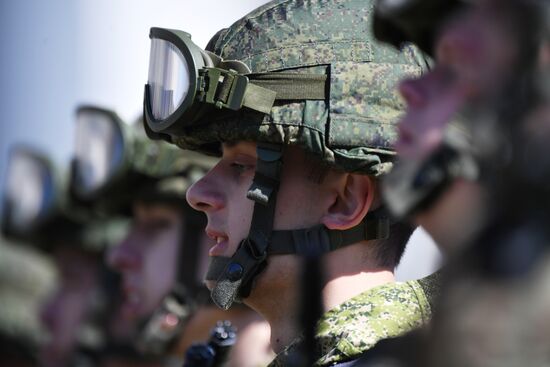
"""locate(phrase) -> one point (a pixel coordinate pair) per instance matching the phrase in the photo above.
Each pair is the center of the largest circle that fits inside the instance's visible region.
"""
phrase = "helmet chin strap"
(235, 276)
(250, 258)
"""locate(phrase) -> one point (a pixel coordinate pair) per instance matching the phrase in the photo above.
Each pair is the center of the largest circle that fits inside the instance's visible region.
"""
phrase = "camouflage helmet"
(38, 208)
(171, 189)
(353, 126)
(114, 162)
(34, 195)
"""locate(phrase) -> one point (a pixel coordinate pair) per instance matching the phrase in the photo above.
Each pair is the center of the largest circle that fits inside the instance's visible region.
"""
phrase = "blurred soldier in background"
(26, 278)
(476, 175)
(502, 280)
(275, 76)
(163, 258)
(38, 211)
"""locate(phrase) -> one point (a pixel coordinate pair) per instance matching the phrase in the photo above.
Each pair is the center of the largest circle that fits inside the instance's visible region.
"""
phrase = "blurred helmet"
(114, 161)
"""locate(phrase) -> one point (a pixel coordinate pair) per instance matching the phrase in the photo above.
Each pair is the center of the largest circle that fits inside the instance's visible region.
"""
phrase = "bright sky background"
(57, 54)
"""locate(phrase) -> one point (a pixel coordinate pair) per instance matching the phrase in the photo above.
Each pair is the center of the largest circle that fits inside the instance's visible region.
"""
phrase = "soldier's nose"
(124, 256)
(204, 195)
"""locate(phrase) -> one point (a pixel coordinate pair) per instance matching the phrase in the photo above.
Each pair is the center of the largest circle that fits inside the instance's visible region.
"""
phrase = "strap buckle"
(223, 88)
(254, 250)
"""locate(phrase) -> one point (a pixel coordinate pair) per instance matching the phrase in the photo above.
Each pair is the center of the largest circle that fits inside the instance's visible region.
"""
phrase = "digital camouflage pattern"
(354, 128)
(170, 171)
(172, 188)
(99, 235)
(356, 325)
(158, 159)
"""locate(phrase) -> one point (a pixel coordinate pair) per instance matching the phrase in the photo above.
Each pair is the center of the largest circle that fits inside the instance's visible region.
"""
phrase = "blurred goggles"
(99, 150)
(185, 82)
(29, 192)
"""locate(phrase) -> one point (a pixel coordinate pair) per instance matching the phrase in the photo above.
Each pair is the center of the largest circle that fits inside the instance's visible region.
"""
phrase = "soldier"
(156, 241)
(481, 57)
(494, 308)
(37, 211)
(308, 86)
(437, 182)
(504, 323)
(150, 179)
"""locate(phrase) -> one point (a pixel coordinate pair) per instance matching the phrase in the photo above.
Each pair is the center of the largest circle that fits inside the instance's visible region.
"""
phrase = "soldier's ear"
(351, 203)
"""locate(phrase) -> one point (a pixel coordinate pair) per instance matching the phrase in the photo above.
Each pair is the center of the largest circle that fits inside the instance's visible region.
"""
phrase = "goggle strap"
(264, 89)
(260, 91)
(292, 86)
(259, 98)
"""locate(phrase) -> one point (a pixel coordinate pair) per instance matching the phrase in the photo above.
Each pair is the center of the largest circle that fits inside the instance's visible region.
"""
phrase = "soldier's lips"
(222, 242)
(218, 249)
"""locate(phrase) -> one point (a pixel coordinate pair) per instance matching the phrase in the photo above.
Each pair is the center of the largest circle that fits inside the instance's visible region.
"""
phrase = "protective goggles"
(29, 192)
(99, 151)
(186, 82)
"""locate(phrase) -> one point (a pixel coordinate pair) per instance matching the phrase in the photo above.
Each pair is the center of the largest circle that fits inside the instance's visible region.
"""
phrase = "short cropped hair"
(388, 253)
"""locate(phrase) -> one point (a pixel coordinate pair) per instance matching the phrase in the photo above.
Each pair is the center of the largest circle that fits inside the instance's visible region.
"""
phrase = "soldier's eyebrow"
(237, 147)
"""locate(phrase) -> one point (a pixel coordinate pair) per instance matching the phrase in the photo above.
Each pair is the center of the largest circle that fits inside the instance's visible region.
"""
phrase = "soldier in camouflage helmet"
(450, 125)
(489, 58)
(38, 211)
(117, 170)
(501, 318)
(159, 238)
(330, 117)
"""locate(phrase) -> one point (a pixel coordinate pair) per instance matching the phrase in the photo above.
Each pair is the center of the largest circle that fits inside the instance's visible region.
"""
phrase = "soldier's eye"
(154, 227)
(240, 168)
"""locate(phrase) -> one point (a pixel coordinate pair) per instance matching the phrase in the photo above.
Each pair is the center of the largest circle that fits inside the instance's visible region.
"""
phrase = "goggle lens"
(168, 78)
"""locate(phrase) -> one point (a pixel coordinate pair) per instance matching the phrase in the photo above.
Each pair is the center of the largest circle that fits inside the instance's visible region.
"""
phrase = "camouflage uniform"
(356, 325)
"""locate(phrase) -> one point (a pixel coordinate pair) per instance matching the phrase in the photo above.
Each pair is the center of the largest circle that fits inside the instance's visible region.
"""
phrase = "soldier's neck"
(284, 328)
(341, 289)
(349, 272)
